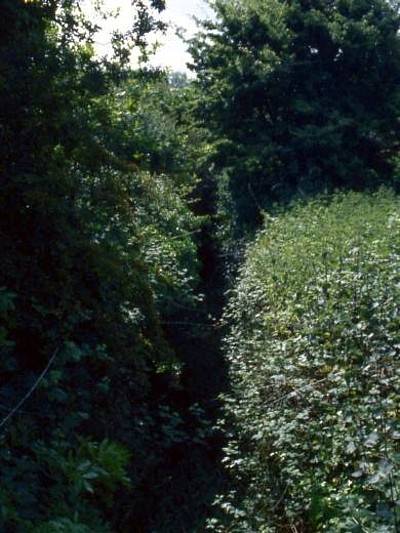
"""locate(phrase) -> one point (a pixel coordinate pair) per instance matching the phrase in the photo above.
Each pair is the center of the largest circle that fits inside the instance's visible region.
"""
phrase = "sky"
(178, 13)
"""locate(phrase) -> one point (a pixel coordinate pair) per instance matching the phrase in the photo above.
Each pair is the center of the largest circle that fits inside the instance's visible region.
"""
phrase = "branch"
(31, 390)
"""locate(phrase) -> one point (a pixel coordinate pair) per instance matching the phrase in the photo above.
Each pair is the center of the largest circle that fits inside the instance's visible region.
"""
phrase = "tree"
(83, 283)
(302, 96)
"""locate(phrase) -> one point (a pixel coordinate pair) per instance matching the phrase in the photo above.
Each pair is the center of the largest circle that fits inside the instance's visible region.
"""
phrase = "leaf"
(372, 439)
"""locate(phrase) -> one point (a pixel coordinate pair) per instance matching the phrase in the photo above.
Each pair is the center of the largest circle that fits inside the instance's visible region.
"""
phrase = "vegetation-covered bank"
(314, 353)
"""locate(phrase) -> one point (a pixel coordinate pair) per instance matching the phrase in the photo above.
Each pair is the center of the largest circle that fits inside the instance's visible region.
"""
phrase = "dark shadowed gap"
(178, 497)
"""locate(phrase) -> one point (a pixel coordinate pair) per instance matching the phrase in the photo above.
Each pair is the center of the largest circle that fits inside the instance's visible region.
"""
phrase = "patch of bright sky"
(172, 52)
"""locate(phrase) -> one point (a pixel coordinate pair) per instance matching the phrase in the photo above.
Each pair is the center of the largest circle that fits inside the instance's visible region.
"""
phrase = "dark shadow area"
(178, 497)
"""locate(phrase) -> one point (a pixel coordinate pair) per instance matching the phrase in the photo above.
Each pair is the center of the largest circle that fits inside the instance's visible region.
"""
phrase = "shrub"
(315, 375)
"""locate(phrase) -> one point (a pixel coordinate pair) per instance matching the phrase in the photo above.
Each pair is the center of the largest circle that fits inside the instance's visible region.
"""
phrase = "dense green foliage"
(97, 247)
(300, 96)
(314, 363)
(127, 198)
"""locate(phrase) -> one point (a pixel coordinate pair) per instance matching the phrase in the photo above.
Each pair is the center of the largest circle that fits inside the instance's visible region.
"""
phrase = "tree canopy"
(302, 96)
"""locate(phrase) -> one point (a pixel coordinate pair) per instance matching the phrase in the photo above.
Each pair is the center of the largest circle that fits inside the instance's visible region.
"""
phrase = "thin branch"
(254, 197)
(282, 497)
(183, 323)
(299, 390)
(30, 391)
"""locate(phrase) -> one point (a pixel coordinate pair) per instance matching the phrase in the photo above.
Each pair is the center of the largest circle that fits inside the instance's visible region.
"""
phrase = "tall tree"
(301, 95)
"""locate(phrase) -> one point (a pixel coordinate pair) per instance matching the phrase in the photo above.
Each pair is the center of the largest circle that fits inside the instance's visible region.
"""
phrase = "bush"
(314, 355)
(97, 244)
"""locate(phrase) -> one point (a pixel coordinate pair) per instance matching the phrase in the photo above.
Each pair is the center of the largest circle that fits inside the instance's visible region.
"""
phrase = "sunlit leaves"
(314, 353)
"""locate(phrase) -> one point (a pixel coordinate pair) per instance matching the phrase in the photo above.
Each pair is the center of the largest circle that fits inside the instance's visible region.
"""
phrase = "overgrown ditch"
(178, 497)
